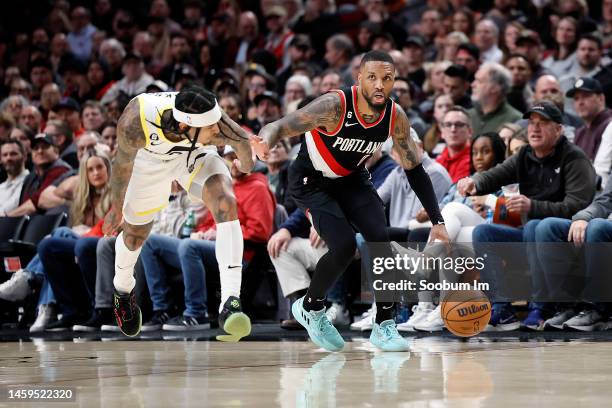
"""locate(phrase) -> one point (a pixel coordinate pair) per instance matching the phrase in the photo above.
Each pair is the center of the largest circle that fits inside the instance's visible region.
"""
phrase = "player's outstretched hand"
(439, 233)
(112, 222)
(260, 147)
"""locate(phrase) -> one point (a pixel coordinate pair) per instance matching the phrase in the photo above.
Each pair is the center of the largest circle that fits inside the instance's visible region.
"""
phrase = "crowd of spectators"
(498, 93)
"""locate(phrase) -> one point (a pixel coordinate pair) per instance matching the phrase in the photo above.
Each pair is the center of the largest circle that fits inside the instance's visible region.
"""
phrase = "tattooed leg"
(127, 248)
(219, 198)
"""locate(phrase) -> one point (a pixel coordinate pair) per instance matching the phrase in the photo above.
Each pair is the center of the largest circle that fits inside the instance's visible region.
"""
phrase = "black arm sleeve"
(421, 184)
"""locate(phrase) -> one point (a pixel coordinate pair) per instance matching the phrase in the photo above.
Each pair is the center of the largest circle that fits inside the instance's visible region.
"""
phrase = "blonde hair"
(84, 192)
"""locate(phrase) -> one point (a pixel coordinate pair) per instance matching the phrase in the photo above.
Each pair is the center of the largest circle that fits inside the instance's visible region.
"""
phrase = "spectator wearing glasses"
(403, 95)
(457, 133)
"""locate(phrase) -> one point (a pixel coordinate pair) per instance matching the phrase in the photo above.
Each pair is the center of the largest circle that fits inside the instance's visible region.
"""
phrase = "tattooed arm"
(234, 135)
(325, 111)
(411, 161)
(130, 138)
(406, 148)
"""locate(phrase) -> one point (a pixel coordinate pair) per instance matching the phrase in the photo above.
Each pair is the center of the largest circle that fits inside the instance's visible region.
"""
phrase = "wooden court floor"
(438, 372)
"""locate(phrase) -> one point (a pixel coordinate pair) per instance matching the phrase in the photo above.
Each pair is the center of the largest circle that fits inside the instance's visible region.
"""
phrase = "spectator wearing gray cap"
(556, 179)
(595, 137)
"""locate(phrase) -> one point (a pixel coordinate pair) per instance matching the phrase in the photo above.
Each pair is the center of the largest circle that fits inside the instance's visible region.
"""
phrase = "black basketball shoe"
(127, 313)
(235, 323)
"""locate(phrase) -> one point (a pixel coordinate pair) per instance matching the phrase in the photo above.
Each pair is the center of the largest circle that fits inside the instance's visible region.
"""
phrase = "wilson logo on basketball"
(472, 309)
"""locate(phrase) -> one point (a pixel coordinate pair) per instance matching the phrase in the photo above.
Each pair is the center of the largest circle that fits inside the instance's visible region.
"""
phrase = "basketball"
(466, 312)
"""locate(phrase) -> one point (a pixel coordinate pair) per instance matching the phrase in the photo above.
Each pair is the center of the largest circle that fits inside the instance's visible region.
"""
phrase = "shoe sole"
(508, 326)
(503, 327)
(580, 328)
(429, 330)
(237, 326)
(360, 328)
(166, 327)
(402, 348)
(139, 325)
(151, 328)
(108, 328)
(84, 329)
(298, 317)
(532, 327)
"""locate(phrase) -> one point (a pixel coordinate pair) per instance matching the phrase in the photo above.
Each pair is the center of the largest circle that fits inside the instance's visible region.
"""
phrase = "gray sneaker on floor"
(556, 322)
(587, 320)
(187, 323)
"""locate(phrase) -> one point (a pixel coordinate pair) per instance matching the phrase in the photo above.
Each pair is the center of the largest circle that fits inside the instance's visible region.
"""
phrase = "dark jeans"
(73, 284)
(195, 258)
(493, 273)
(561, 260)
(105, 260)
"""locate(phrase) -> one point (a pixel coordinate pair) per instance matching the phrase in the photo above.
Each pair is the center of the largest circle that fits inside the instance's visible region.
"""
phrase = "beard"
(377, 107)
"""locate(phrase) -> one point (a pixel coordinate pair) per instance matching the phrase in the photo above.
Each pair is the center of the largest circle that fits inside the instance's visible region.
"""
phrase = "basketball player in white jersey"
(173, 136)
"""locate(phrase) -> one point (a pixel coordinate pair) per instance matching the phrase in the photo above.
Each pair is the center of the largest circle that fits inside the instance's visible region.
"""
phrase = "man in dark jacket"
(556, 179)
(47, 168)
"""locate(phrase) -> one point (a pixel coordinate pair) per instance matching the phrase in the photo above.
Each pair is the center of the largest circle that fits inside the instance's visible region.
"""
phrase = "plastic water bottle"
(189, 225)
(489, 216)
(402, 314)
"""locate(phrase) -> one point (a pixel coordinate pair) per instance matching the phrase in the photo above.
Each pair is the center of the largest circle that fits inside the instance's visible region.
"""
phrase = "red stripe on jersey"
(393, 116)
(327, 156)
(337, 129)
(359, 119)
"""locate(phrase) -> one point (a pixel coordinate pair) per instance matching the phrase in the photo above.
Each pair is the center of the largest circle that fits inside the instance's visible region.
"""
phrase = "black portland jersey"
(346, 149)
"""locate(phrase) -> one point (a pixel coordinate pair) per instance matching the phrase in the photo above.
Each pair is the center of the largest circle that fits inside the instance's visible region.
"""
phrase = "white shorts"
(149, 188)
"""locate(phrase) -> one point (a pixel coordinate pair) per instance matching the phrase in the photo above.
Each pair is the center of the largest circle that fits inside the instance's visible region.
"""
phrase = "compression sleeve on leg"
(421, 184)
(229, 249)
(124, 266)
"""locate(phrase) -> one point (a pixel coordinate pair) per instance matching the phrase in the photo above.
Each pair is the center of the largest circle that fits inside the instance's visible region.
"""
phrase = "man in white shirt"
(486, 38)
(12, 157)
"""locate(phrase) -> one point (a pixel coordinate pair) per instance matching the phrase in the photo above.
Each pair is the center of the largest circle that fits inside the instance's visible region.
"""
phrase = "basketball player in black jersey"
(328, 180)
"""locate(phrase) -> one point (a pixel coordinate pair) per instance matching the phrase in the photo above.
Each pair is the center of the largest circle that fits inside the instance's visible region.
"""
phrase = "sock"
(384, 311)
(311, 302)
(124, 266)
(229, 249)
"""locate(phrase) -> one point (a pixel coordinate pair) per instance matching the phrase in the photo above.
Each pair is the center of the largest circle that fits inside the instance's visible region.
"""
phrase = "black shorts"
(342, 197)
